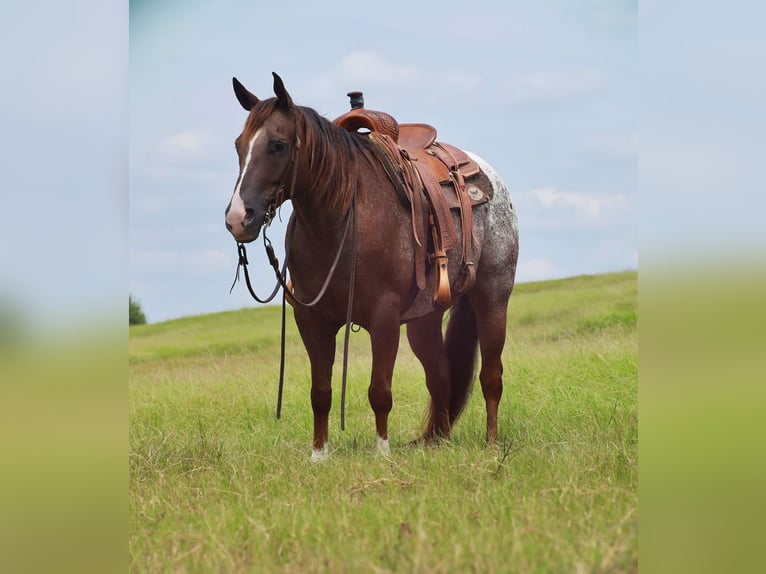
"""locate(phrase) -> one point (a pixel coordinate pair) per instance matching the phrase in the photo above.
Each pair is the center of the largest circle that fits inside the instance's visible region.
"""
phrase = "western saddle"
(430, 178)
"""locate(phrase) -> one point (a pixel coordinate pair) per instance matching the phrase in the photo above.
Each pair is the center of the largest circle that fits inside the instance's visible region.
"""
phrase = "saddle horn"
(356, 100)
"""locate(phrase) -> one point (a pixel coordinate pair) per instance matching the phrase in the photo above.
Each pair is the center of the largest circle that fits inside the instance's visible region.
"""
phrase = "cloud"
(550, 207)
(192, 158)
(199, 262)
(365, 70)
(537, 269)
(550, 86)
(389, 83)
(372, 68)
(187, 147)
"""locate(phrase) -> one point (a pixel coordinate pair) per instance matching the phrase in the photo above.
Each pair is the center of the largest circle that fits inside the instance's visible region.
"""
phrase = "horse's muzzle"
(245, 227)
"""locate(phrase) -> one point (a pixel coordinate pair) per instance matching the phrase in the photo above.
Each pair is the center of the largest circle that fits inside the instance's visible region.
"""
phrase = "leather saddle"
(430, 177)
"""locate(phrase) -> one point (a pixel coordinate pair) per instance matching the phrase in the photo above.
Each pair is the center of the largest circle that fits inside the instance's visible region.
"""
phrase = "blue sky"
(117, 158)
(547, 92)
(63, 159)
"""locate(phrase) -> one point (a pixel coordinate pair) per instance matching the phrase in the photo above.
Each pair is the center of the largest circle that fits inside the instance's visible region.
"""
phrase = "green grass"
(218, 485)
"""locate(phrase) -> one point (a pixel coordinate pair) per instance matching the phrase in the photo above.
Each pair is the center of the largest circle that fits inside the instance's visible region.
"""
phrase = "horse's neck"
(320, 225)
(317, 211)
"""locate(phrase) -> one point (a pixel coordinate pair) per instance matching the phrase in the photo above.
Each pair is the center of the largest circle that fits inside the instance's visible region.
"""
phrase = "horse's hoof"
(383, 448)
(320, 454)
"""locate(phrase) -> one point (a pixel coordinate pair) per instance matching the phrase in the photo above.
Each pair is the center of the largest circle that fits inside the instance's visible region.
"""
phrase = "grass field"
(218, 485)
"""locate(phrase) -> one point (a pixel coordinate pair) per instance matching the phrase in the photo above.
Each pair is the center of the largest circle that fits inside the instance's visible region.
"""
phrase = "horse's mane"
(333, 159)
(329, 157)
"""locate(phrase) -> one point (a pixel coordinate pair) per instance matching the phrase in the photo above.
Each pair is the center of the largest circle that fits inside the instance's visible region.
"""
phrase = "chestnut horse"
(331, 175)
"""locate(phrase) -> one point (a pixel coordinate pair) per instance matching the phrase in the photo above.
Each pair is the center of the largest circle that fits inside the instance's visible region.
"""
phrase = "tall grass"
(218, 485)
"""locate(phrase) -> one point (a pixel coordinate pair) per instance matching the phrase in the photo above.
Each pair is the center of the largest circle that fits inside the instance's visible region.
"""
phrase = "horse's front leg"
(319, 339)
(384, 336)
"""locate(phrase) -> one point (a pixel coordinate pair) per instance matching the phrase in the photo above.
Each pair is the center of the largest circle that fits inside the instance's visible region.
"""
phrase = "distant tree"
(13, 326)
(135, 313)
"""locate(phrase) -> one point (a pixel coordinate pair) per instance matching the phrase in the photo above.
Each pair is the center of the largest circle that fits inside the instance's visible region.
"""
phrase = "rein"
(281, 282)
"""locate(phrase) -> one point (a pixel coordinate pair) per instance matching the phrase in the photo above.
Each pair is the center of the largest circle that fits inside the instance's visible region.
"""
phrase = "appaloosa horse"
(333, 176)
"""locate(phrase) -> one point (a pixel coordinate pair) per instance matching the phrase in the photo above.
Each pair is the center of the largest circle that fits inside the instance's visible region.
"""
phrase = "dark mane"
(332, 157)
(329, 154)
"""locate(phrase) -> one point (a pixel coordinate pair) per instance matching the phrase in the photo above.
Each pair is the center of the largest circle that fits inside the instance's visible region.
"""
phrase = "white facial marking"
(320, 454)
(383, 447)
(236, 213)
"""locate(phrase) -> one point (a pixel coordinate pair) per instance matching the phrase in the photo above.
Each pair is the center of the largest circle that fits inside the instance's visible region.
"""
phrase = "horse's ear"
(246, 99)
(284, 101)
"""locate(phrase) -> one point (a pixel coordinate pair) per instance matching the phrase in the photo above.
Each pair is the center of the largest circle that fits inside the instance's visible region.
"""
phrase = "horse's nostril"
(228, 226)
(249, 214)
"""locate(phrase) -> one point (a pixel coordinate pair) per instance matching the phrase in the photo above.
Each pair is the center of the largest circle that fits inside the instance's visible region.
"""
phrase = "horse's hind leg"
(491, 315)
(425, 337)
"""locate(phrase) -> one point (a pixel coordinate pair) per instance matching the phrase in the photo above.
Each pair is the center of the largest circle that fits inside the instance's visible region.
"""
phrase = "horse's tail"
(461, 344)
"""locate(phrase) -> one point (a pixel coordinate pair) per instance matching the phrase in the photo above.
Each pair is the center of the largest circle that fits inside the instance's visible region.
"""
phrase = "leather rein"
(281, 274)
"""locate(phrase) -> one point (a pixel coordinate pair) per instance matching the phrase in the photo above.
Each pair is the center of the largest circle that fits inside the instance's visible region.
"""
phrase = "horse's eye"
(277, 146)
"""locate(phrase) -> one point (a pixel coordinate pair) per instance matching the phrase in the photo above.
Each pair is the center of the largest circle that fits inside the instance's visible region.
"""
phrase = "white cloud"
(387, 82)
(187, 147)
(371, 68)
(364, 69)
(191, 158)
(537, 269)
(199, 262)
(590, 207)
(547, 86)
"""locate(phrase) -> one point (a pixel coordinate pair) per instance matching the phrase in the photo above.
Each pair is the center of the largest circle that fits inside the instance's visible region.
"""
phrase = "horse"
(331, 175)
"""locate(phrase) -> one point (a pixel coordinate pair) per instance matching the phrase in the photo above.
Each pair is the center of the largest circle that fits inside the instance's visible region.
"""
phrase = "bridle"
(271, 211)
(281, 273)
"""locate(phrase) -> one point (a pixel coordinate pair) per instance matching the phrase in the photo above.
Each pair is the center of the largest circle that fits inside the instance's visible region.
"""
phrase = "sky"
(63, 160)
(116, 164)
(547, 92)
(118, 122)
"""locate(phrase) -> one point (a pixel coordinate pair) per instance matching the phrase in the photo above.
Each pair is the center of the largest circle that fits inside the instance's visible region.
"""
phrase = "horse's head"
(266, 149)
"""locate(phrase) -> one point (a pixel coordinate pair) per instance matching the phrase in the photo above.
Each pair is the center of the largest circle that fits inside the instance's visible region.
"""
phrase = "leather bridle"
(281, 273)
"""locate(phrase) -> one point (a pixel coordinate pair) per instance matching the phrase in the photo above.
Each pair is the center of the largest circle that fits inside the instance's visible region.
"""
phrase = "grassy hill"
(217, 484)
